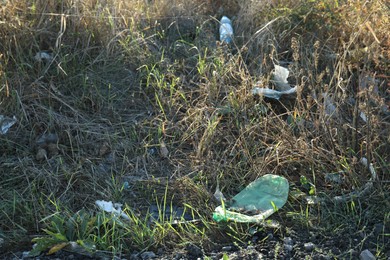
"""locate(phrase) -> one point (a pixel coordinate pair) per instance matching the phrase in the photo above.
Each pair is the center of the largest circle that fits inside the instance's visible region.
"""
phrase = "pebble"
(288, 247)
(227, 248)
(366, 255)
(52, 149)
(148, 255)
(25, 254)
(288, 241)
(47, 139)
(194, 250)
(309, 246)
(379, 229)
(255, 239)
(152, 151)
(41, 154)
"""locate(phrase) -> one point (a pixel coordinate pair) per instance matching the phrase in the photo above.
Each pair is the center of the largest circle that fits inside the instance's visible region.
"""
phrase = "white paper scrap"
(114, 208)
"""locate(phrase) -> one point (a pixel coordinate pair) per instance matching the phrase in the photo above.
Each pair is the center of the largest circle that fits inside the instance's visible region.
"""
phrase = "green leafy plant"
(307, 185)
(63, 229)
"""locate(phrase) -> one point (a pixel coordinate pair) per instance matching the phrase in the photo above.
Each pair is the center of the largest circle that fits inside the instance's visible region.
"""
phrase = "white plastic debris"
(282, 87)
(271, 93)
(366, 188)
(43, 56)
(109, 206)
(226, 30)
(218, 195)
(6, 123)
(363, 117)
(280, 78)
(366, 82)
(330, 108)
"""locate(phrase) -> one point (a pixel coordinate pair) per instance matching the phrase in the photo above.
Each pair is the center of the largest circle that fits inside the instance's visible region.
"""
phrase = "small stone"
(250, 247)
(336, 251)
(288, 247)
(309, 246)
(41, 154)
(25, 254)
(164, 150)
(47, 139)
(152, 151)
(104, 149)
(52, 149)
(288, 241)
(227, 248)
(194, 250)
(366, 255)
(379, 229)
(178, 256)
(148, 255)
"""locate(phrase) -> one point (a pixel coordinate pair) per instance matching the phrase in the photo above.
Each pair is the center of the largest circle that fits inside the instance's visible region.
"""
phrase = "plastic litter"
(280, 76)
(6, 123)
(358, 193)
(115, 208)
(282, 87)
(330, 108)
(335, 177)
(218, 195)
(43, 56)
(226, 30)
(271, 93)
(259, 200)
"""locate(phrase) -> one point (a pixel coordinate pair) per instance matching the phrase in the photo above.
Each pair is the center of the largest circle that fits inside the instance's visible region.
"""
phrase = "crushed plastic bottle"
(6, 123)
(226, 30)
(282, 87)
(259, 200)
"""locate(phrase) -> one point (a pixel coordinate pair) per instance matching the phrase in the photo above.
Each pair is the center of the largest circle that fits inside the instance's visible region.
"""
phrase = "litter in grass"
(218, 195)
(335, 177)
(353, 194)
(282, 86)
(330, 108)
(367, 187)
(226, 30)
(280, 76)
(259, 200)
(109, 206)
(43, 56)
(6, 123)
(271, 93)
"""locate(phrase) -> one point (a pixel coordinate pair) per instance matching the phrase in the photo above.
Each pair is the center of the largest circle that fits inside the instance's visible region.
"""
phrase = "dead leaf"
(164, 150)
(41, 154)
(104, 149)
(57, 248)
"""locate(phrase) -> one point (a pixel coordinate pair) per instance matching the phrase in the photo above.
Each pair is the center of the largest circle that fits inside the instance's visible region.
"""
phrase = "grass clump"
(136, 102)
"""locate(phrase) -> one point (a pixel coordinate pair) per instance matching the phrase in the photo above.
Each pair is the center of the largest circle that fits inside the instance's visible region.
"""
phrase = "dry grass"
(130, 77)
